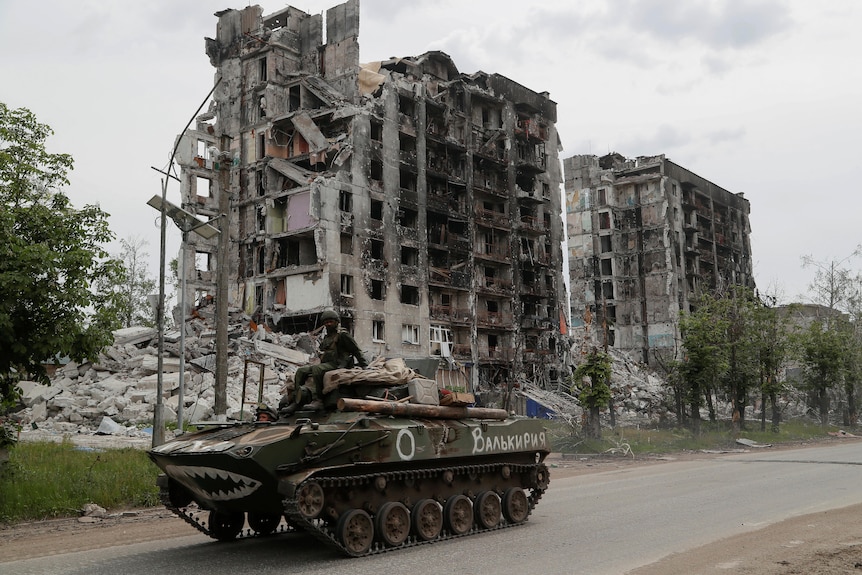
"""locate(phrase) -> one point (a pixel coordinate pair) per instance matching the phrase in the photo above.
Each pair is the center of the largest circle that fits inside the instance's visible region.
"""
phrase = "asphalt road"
(597, 524)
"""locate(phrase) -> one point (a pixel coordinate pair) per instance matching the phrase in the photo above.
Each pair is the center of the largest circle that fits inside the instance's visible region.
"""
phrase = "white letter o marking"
(412, 451)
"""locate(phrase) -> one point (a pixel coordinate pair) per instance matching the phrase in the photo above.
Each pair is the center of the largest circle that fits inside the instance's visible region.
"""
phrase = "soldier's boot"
(316, 405)
(301, 396)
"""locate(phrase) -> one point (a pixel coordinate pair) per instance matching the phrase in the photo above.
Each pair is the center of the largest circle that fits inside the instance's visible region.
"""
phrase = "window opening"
(347, 244)
(409, 256)
(345, 201)
(606, 267)
(346, 285)
(378, 291)
(604, 220)
(605, 244)
(410, 334)
(377, 331)
(376, 131)
(376, 210)
(203, 187)
(409, 295)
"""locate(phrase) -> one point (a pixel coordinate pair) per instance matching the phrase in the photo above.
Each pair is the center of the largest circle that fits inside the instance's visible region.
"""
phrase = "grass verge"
(48, 480)
(714, 435)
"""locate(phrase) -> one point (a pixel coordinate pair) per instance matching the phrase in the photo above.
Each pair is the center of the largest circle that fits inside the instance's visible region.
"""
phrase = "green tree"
(773, 348)
(824, 349)
(836, 288)
(852, 373)
(853, 376)
(704, 337)
(743, 343)
(591, 385)
(50, 256)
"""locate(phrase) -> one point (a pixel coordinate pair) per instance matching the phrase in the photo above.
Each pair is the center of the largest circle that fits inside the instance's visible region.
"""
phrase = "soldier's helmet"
(265, 413)
(329, 314)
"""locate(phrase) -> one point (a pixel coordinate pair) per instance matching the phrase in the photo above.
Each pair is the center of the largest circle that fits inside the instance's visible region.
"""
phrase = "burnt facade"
(645, 238)
(421, 203)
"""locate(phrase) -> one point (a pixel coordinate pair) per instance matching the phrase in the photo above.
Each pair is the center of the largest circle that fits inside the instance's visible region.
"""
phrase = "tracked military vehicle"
(367, 476)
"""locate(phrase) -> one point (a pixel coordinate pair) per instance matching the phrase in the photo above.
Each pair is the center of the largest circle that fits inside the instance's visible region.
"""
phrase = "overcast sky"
(758, 96)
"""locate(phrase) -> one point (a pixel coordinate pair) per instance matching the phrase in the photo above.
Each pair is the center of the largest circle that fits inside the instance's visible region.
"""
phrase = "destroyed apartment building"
(646, 237)
(421, 203)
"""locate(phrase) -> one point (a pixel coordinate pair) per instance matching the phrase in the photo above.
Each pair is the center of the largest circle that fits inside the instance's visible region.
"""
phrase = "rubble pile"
(639, 393)
(642, 396)
(116, 394)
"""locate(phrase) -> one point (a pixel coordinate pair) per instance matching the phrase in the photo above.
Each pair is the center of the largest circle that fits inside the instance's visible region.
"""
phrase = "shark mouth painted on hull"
(213, 484)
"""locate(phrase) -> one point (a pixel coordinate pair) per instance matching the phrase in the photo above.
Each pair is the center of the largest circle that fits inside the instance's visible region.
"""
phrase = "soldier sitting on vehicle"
(337, 351)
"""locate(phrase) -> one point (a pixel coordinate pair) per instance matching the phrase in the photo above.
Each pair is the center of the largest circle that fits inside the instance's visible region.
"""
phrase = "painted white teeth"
(196, 477)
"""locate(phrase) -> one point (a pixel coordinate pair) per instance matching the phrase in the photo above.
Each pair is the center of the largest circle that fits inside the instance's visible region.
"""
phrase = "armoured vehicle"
(367, 477)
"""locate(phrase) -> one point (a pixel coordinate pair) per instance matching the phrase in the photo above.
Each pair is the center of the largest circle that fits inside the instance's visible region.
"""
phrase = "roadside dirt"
(826, 543)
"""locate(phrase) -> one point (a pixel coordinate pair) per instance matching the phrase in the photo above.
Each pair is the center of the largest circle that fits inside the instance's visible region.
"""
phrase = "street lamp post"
(186, 222)
(158, 414)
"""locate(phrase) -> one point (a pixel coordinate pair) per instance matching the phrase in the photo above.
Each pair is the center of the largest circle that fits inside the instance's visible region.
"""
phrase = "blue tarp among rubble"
(536, 409)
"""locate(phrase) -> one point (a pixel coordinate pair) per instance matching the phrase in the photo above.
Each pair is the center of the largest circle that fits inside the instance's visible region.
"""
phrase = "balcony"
(494, 319)
(491, 252)
(408, 233)
(492, 218)
(490, 185)
(531, 157)
(531, 225)
(496, 354)
(495, 285)
(530, 129)
(441, 276)
(409, 198)
(534, 289)
(440, 312)
(437, 201)
(461, 351)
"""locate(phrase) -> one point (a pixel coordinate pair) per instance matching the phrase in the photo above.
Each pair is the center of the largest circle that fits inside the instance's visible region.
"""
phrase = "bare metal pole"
(182, 331)
(222, 266)
(158, 413)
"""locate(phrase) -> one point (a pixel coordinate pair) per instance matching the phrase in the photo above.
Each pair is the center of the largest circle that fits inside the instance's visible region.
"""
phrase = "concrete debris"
(115, 395)
(750, 443)
(93, 510)
(134, 335)
(108, 427)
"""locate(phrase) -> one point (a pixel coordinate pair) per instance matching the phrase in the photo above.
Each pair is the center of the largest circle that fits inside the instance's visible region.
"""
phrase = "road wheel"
(225, 526)
(263, 523)
(393, 523)
(459, 514)
(355, 531)
(427, 519)
(515, 505)
(488, 509)
(310, 499)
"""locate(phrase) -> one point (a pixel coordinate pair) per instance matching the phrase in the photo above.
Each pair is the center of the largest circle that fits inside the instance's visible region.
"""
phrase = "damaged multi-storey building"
(646, 237)
(421, 203)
